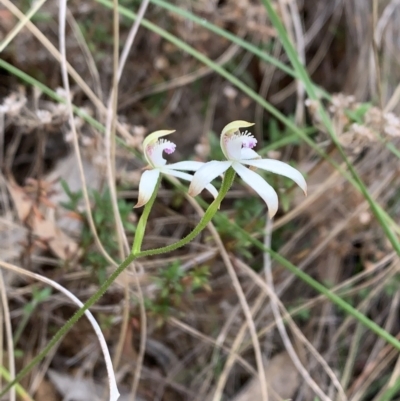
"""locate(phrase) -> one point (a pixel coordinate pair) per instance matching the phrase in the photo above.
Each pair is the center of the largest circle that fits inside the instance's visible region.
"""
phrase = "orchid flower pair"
(237, 148)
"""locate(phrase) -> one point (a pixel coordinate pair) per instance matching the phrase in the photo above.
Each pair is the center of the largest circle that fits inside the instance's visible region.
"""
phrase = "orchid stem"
(209, 214)
(141, 227)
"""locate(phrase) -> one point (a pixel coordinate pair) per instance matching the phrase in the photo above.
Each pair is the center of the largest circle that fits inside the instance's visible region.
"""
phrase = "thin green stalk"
(287, 140)
(141, 227)
(20, 390)
(25, 319)
(209, 214)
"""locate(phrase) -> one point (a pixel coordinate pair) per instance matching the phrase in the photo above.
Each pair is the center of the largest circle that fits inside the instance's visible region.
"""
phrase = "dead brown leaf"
(42, 222)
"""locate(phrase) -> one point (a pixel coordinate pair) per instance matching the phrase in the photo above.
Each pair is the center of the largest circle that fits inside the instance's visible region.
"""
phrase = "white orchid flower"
(237, 148)
(153, 147)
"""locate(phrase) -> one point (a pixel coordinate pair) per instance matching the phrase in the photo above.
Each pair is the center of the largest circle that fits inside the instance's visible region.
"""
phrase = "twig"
(278, 318)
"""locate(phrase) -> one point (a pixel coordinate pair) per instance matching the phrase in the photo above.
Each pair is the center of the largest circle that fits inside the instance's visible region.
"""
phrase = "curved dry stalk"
(20, 25)
(288, 317)
(391, 321)
(234, 348)
(110, 138)
(10, 343)
(109, 142)
(195, 333)
(351, 357)
(111, 122)
(114, 394)
(320, 298)
(64, 74)
(281, 327)
(300, 47)
(377, 371)
(93, 70)
(363, 306)
(243, 303)
(391, 382)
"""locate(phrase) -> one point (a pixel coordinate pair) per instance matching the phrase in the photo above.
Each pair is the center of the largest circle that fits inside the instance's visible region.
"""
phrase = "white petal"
(189, 165)
(247, 153)
(278, 167)
(148, 182)
(206, 174)
(266, 192)
(188, 177)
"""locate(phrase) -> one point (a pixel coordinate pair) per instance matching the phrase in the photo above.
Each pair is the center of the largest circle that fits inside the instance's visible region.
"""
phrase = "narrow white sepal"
(206, 174)
(189, 165)
(188, 177)
(278, 167)
(263, 189)
(148, 182)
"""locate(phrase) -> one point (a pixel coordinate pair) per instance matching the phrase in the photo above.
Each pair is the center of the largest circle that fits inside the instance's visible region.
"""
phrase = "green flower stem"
(209, 214)
(141, 227)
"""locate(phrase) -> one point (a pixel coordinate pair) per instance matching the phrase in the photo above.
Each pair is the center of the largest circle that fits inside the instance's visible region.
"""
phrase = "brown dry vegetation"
(197, 341)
